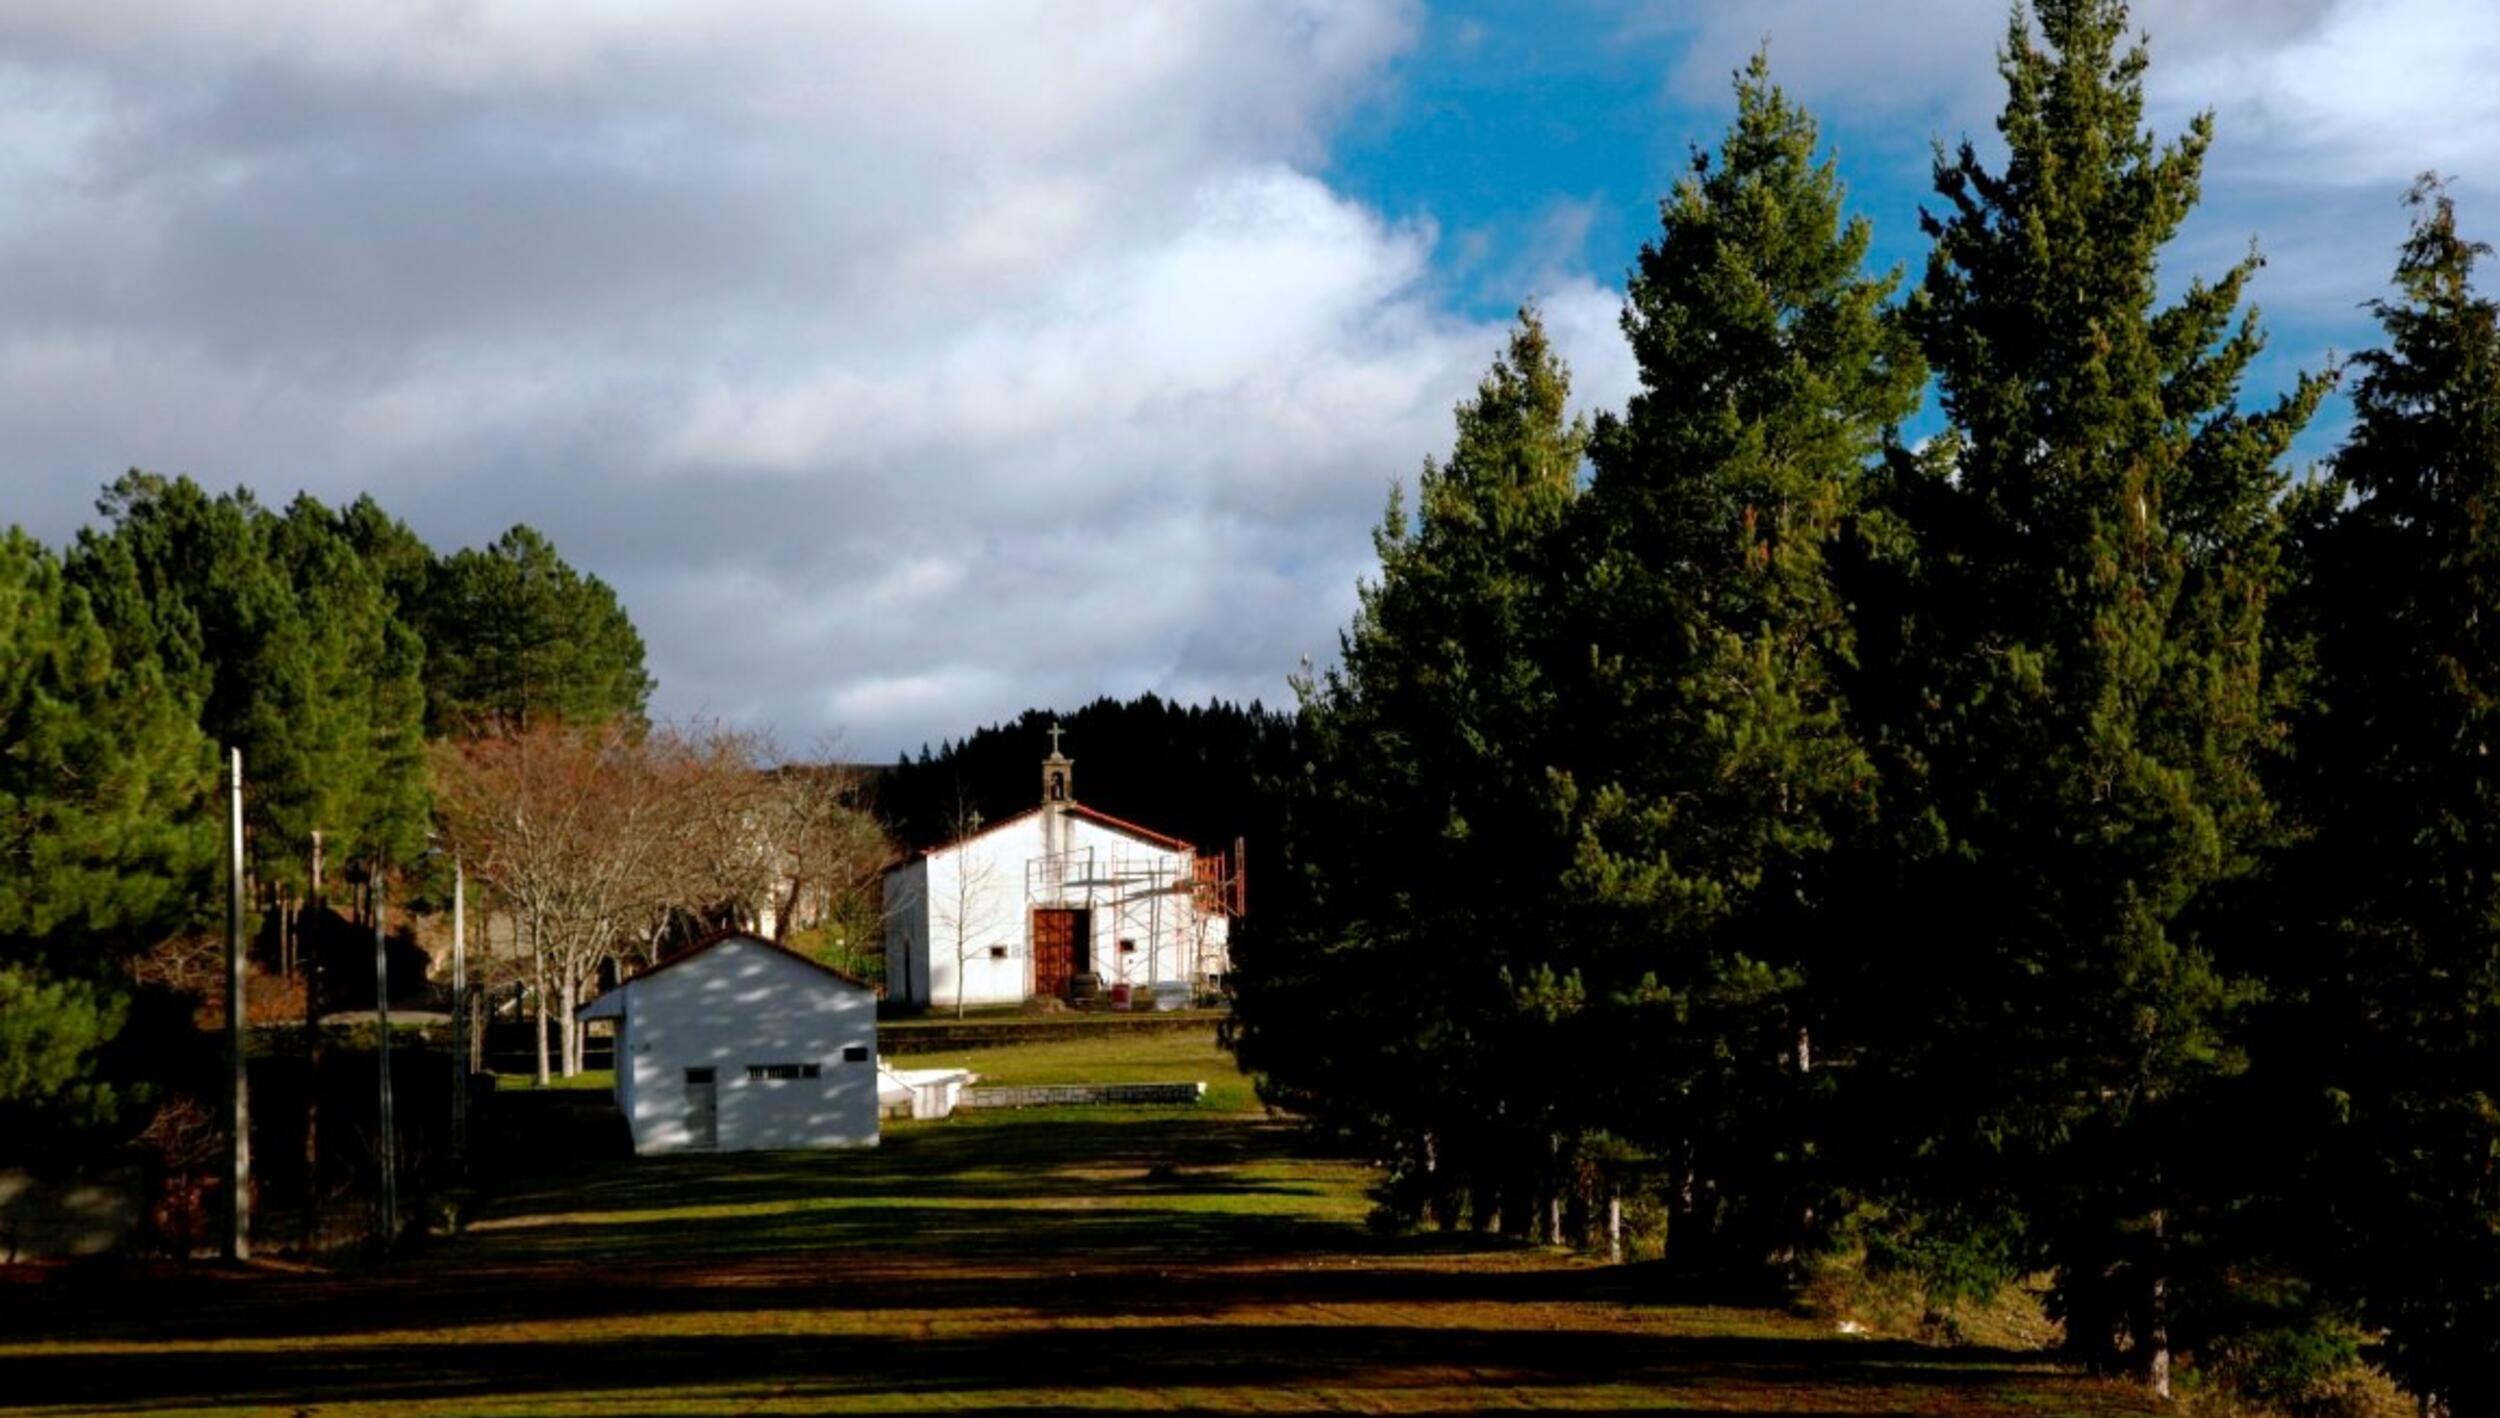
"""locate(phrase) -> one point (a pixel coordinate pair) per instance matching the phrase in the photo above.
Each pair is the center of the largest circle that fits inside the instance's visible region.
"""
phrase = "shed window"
(855, 1053)
(1128, 947)
(763, 1071)
(698, 1075)
(998, 952)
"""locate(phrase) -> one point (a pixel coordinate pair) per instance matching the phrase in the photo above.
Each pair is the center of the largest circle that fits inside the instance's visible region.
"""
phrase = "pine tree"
(1715, 764)
(515, 636)
(284, 639)
(106, 830)
(107, 841)
(2392, 982)
(2077, 698)
(1423, 858)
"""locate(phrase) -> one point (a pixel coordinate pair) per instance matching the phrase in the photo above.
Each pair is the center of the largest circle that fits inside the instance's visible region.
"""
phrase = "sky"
(903, 366)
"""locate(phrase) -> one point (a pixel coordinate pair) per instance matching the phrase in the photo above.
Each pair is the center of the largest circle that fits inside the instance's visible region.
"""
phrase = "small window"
(758, 1072)
(698, 1075)
(998, 952)
(855, 1053)
(1128, 947)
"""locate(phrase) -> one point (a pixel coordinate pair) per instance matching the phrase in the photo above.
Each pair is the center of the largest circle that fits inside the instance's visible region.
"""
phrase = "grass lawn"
(1176, 1259)
(1160, 1056)
(599, 1078)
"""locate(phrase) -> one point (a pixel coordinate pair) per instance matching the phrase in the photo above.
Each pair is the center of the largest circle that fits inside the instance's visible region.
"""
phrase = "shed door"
(702, 1109)
(1059, 949)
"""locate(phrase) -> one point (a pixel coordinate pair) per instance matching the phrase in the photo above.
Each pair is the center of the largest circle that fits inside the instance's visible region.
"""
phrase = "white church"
(1059, 902)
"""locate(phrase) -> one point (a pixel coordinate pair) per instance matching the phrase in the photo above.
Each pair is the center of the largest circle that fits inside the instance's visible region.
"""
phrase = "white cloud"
(901, 365)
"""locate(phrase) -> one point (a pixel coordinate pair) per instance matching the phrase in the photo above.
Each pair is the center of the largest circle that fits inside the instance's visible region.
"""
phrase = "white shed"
(1056, 899)
(740, 1045)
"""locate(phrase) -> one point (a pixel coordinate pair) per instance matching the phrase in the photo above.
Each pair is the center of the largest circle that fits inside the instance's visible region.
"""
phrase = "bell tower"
(1058, 774)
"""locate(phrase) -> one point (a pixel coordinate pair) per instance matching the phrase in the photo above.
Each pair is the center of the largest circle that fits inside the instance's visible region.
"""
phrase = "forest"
(2061, 845)
(1737, 831)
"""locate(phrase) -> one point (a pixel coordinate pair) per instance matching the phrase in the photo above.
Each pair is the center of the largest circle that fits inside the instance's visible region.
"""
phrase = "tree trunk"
(1614, 1226)
(1553, 1189)
(539, 1010)
(571, 1027)
(311, 1229)
(2157, 1315)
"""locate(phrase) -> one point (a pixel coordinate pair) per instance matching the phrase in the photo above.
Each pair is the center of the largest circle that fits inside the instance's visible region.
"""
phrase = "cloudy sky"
(906, 365)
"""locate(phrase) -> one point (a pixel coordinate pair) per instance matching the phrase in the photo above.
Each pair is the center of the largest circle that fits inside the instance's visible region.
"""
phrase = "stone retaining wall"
(1043, 1095)
(915, 1038)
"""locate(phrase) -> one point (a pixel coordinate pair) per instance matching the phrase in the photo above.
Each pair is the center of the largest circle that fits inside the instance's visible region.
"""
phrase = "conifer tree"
(107, 840)
(516, 637)
(2077, 697)
(1386, 998)
(105, 832)
(2392, 980)
(284, 639)
(1715, 766)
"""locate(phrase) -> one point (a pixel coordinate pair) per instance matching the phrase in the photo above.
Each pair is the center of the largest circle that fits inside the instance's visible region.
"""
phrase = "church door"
(1060, 950)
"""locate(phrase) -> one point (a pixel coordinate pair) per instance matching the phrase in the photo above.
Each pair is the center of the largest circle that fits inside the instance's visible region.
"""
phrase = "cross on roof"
(1055, 732)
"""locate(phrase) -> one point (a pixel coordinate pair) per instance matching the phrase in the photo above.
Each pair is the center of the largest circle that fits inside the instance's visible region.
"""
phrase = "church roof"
(1094, 815)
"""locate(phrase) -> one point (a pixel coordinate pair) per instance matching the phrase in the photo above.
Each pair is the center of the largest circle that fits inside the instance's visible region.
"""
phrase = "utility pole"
(459, 1010)
(382, 1030)
(238, 1092)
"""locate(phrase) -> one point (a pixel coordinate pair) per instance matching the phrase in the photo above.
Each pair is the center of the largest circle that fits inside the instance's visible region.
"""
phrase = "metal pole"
(459, 1009)
(382, 1021)
(238, 1100)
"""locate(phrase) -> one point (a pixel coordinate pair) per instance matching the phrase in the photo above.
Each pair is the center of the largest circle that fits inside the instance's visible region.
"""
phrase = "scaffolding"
(1150, 898)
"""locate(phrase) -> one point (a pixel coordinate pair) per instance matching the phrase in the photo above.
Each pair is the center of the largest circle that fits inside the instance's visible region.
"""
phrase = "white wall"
(975, 899)
(743, 1002)
(978, 918)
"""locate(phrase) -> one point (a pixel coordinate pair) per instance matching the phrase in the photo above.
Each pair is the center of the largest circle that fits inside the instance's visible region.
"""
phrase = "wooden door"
(1059, 950)
(702, 1109)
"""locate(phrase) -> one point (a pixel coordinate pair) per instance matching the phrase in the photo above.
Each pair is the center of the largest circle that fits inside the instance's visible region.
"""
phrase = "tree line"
(1200, 772)
(2064, 844)
(397, 709)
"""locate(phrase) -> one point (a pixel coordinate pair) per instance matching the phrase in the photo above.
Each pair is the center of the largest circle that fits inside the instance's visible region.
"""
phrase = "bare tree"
(593, 840)
(958, 913)
(829, 849)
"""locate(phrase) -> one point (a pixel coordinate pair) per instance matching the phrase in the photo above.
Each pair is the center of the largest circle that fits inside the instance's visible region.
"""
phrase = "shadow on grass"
(1045, 1262)
(1033, 1365)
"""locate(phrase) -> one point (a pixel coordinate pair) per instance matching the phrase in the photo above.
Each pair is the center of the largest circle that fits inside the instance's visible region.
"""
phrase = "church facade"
(1062, 902)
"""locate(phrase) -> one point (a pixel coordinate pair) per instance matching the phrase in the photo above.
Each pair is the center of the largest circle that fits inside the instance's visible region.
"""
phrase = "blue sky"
(906, 365)
(1536, 142)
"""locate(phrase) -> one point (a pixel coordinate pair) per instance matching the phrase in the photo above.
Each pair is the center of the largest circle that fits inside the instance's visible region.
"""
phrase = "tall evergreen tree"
(2391, 984)
(1715, 768)
(516, 637)
(285, 640)
(106, 830)
(107, 840)
(1385, 998)
(2077, 696)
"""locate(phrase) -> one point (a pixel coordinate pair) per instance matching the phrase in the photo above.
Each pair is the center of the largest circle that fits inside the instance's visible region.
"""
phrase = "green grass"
(1162, 1056)
(1014, 1016)
(600, 1078)
(1180, 1259)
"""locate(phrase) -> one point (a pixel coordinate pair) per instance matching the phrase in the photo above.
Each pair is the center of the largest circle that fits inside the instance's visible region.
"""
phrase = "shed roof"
(591, 1009)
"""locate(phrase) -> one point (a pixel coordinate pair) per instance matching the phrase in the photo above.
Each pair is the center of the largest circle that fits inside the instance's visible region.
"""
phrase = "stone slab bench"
(1050, 1095)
